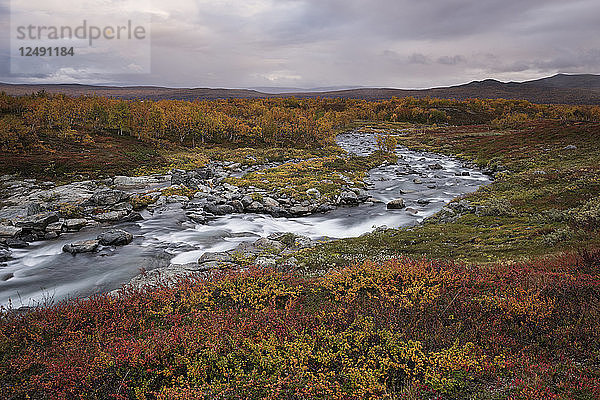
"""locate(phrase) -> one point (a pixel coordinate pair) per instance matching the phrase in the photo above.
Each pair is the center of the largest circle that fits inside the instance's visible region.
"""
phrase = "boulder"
(55, 226)
(111, 216)
(86, 246)
(270, 202)
(37, 221)
(5, 255)
(7, 231)
(75, 224)
(348, 197)
(116, 237)
(396, 204)
(108, 197)
(34, 208)
(435, 166)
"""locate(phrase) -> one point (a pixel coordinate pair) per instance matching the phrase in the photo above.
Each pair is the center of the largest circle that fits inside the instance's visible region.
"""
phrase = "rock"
(108, 197)
(265, 262)
(348, 197)
(465, 173)
(221, 209)
(116, 237)
(16, 243)
(256, 206)
(570, 147)
(177, 199)
(299, 210)
(34, 208)
(214, 257)
(246, 201)
(313, 193)
(86, 246)
(266, 243)
(191, 179)
(412, 211)
(50, 235)
(7, 231)
(197, 217)
(5, 255)
(431, 186)
(326, 207)
(417, 181)
(133, 216)
(435, 166)
(111, 216)
(423, 202)
(237, 205)
(75, 224)
(396, 204)
(270, 203)
(37, 221)
(55, 226)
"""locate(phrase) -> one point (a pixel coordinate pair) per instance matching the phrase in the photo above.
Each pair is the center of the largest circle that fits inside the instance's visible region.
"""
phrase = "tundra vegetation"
(495, 297)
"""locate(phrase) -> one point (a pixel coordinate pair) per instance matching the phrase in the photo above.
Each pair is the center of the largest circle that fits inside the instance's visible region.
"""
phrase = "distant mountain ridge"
(557, 89)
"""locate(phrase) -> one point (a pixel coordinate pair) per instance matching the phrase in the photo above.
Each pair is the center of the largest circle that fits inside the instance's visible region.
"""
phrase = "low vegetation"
(399, 329)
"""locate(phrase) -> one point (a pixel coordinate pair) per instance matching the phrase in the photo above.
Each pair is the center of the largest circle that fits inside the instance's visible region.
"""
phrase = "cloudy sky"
(317, 43)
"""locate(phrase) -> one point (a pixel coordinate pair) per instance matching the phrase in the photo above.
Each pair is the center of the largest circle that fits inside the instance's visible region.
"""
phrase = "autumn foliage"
(398, 329)
(286, 122)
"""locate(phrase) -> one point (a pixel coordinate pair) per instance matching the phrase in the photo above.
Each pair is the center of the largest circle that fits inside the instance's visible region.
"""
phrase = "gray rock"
(111, 216)
(55, 226)
(214, 257)
(86, 246)
(435, 166)
(16, 243)
(412, 211)
(38, 221)
(237, 205)
(299, 210)
(246, 201)
(132, 217)
(7, 231)
(313, 193)
(116, 237)
(108, 197)
(348, 197)
(265, 262)
(34, 209)
(270, 202)
(177, 199)
(266, 243)
(75, 224)
(570, 147)
(396, 204)
(255, 207)
(5, 255)
(51, 235)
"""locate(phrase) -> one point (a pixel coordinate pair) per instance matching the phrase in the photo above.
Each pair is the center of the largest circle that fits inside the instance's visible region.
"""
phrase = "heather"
(398, 329)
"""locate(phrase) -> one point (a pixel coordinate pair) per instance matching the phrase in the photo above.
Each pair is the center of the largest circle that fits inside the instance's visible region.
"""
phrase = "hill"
(558, 89)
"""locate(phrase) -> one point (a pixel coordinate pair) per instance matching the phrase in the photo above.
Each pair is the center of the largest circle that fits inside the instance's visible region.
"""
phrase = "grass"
(327, 174)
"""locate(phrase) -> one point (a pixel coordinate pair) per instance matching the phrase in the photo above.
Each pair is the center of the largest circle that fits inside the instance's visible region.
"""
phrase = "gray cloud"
(395, 43)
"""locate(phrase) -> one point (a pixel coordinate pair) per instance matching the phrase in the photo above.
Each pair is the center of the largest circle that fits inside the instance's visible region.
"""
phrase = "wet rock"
(116, 237)
(37, 221)
(219, 209)
(246, 201)
(177, 199)
(5, 254)
(396, 204)
(412, 211)
(75, 224)
(132, 217)
(191, 179)
(237, 205)
(51, 235)
(7, 231)
(86, 246)
(435, 166)
(417, 181)
(299, 211)
(108, 197)
(348, 197)
(197, 217)
(255, 206)
(570, 147)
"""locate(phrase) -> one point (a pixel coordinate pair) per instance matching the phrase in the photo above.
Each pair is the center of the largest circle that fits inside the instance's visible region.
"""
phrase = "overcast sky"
(316, 43)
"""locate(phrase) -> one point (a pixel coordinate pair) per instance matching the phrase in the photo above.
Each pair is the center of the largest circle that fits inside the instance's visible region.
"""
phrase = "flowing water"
(42, 273)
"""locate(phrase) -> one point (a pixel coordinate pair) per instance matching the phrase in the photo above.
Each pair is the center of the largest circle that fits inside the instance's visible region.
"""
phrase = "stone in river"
(395, 204)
